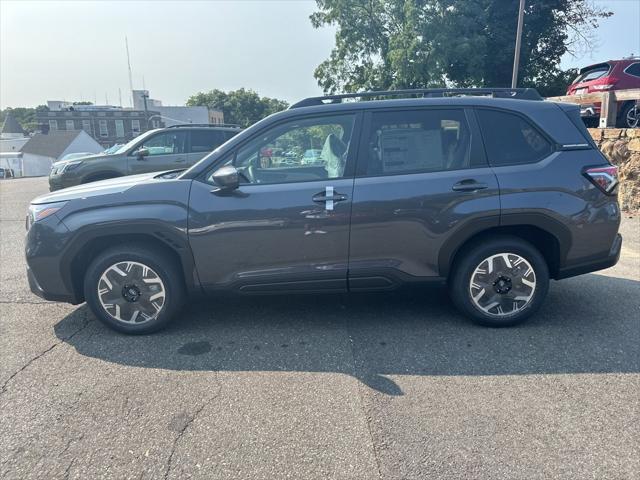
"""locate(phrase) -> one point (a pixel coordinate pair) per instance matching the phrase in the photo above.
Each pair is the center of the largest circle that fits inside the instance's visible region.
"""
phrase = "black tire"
(623, 121)
(477, 255)
(162, 273)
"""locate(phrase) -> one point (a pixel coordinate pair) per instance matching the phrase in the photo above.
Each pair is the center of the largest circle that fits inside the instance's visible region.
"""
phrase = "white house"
(43, 149)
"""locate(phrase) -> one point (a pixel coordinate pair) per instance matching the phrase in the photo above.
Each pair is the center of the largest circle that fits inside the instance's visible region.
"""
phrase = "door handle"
(329, 197)
(469, 185)
(181, 160)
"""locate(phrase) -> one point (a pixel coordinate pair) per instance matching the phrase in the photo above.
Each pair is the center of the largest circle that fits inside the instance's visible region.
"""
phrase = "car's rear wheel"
(629, 116)
(133, 289)
(500, 282)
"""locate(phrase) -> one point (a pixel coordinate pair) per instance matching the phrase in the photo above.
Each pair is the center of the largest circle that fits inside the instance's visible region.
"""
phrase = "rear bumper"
(589, 111)
(595, 264)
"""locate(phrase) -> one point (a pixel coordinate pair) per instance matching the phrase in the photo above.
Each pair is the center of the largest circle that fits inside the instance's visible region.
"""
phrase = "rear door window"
(204, 141)
(414, 141)
(509, 139)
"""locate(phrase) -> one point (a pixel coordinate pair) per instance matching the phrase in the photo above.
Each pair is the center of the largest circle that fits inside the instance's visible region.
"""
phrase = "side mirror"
(226, 178)
(142, 152)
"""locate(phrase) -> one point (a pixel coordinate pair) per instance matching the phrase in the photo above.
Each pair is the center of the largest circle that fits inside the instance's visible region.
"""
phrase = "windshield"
(592, 73)
(113, 149)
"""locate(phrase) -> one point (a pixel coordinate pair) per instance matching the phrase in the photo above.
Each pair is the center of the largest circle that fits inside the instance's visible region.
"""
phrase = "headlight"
(68, 166)
(42, 210)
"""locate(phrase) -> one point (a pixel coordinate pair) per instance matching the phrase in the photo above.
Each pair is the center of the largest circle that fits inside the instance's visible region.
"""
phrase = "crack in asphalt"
(43, 353)
(67, 472)
(181, 433)
(366, 415)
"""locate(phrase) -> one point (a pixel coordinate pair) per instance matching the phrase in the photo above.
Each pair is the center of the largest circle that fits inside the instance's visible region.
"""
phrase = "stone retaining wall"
(622, 147)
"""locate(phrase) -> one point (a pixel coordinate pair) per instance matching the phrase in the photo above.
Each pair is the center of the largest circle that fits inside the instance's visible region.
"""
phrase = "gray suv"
(492, 191)
(176, 147)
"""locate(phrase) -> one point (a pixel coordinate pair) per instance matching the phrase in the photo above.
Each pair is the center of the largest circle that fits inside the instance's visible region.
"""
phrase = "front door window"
(299, 150)
(167, 143)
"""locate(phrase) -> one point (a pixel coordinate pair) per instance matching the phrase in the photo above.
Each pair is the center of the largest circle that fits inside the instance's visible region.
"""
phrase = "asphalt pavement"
(365, 386)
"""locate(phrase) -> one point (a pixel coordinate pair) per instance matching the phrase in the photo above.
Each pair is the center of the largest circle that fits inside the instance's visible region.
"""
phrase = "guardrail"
(609, 101)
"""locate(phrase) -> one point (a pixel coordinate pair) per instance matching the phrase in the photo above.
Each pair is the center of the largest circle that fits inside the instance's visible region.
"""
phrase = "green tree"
(390, 44)
(25, 116)
(242, 107)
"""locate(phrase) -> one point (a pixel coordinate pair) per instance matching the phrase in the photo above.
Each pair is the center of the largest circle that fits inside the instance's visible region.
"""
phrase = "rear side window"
(206, 140)
(413, 141)
(511, 140)
(633, 69)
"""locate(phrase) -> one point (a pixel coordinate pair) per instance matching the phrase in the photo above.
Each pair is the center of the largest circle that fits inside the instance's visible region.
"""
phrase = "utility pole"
(126, 44)
(146, 111)
(516, 58)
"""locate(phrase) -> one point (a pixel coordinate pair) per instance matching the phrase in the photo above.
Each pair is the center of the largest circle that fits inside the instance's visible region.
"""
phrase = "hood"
(84, 159)
(102, 187)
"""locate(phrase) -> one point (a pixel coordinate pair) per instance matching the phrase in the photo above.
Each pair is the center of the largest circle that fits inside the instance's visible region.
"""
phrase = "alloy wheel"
(131, 292)
(633, 117)
(502, 284)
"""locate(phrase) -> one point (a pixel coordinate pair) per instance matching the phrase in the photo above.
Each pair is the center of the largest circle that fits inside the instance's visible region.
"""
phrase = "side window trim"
(349, 170)
(478, 151)
(363, 153)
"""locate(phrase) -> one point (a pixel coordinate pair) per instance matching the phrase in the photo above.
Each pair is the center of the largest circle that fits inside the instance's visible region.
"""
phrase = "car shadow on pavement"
(589, 324)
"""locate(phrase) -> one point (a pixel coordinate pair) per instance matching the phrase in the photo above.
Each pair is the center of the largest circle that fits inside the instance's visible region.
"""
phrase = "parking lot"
(393, 385)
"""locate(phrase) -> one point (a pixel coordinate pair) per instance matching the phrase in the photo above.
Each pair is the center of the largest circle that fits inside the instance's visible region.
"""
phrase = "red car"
(608, 76)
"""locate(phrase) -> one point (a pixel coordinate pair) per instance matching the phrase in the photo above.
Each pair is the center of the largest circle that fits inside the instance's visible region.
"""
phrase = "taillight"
(605, 178)
(606, 83)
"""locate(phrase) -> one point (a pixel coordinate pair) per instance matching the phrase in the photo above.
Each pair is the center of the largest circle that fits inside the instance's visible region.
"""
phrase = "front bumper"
(58, 182)
(40, 292)
(44, 246)
(595, 264)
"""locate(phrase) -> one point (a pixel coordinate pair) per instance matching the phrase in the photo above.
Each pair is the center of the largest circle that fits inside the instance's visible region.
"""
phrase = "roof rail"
(186, 125)
(518, 93)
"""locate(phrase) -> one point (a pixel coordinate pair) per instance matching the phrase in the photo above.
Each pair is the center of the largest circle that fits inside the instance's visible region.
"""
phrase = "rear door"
(422, 184)
(167, 151)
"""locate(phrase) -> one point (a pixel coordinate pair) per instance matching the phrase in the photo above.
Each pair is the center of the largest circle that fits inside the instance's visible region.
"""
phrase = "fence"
(608, 100)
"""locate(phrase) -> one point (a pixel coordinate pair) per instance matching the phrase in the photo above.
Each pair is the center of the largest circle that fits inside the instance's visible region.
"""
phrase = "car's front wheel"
(500, 282)
(133, 289)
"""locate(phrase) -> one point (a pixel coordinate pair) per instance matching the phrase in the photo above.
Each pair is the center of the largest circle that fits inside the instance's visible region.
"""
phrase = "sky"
(75, 50)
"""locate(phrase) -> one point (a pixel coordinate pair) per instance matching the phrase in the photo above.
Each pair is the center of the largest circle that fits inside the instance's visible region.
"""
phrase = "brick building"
(108, 125)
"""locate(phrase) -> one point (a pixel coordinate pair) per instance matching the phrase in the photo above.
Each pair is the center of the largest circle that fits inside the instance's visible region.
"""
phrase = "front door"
(422, 182)
(167, 151)
(286, 228)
